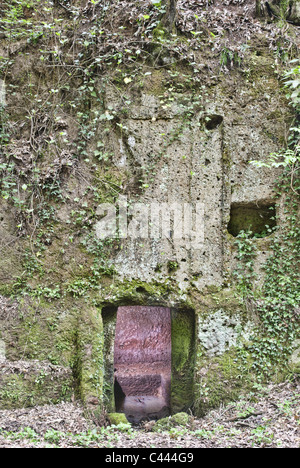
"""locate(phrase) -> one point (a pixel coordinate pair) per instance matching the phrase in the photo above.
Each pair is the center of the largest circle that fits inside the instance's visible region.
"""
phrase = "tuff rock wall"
(151, 133)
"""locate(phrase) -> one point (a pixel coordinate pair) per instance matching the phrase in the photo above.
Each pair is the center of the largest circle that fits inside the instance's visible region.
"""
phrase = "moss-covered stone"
(109, 316)
(294, 362)
(183, 342)
(180, 419)
(219, 380)
(33, 383)
(90, 362)
(60, 333)
(252, 217)
(165, 424)
(117, 418)
(36, 329)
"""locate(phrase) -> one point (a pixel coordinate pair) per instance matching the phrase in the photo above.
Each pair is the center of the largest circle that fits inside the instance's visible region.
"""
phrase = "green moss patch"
(117, 418)
(220, 380)
(33, 383)
(183, 359)
(90, 362)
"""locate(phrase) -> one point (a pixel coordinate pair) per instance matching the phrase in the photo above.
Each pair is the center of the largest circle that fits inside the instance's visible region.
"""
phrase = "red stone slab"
(143, 361)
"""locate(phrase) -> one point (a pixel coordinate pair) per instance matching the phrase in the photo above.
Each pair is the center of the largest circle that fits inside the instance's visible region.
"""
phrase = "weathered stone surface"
(143, 383)
(166, 138)
(33, 383)
(143, 335)
(189, 155)
(219, 331)
(209, 166)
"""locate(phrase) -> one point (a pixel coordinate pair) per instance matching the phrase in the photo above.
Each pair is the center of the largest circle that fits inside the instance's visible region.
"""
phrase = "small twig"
(244, 424)
(243, 417)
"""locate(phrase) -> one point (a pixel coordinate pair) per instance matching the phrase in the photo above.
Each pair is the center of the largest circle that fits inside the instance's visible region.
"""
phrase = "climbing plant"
(277, 302)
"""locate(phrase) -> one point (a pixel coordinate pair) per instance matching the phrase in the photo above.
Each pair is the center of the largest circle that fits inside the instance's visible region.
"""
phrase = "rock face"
(295, 357)
(149, 137)
(206, 168)
(31, 383)
(143, 334)
(219, 332)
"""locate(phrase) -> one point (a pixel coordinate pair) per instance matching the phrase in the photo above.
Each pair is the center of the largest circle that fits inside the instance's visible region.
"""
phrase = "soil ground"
(270, 417)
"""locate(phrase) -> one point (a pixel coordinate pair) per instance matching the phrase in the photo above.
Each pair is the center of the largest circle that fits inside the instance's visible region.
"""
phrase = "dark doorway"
(142, 362)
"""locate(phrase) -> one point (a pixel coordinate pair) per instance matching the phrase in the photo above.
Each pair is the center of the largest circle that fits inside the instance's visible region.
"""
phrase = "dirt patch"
(269, 418)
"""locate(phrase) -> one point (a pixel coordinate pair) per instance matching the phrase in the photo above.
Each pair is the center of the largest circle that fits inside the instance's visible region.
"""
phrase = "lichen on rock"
(219, 331)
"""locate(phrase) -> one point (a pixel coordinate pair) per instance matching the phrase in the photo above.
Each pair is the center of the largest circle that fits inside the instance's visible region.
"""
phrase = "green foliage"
(48, 293)
(289, 158)
(292, 84)
(284, 158)
(277, 302)
(246, 252)
(27, 433)
(261, 436)
(100, 436)
(229, 58)
(172, 266)
(14, 22)
(53, 436)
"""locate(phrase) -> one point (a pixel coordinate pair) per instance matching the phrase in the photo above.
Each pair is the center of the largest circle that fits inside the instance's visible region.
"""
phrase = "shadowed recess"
(256, 217)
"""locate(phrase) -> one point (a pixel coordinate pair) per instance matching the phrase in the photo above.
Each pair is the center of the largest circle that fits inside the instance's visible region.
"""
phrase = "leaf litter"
(266, 418)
